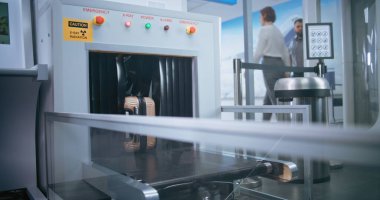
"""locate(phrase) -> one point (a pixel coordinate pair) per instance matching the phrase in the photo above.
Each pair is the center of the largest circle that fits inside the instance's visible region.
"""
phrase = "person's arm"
(286, 56)
(259, 47)
(290, 53)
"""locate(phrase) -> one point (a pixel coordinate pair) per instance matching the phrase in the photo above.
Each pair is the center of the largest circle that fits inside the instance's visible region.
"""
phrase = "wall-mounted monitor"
(4, 24)
(319, 41)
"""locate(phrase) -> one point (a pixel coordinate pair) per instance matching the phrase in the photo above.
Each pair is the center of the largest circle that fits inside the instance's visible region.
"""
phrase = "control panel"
(165, 22)
(85, 24)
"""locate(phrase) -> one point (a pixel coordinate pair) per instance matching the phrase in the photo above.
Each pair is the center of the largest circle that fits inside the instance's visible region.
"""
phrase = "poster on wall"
(4, 24)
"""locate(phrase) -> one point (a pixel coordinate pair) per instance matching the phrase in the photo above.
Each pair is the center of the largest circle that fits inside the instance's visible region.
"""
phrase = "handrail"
(39, 71)
(277, 68)
(318, 69)
(352, 145)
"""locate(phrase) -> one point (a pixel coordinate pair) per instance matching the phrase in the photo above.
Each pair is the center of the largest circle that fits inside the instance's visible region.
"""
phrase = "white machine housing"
(71, 87)
(71, 58)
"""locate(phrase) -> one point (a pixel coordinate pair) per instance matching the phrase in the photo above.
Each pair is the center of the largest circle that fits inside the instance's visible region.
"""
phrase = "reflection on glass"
(170, 169)
(365, 63)
(4, 24)
(93, 163)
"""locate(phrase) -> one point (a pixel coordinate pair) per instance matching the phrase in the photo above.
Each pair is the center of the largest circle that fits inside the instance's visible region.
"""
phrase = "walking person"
(271, 50)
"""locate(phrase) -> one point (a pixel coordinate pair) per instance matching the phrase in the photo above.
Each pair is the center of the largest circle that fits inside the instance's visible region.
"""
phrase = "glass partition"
(136, 157)
(366, 97)
(335, 67)
(232, 40)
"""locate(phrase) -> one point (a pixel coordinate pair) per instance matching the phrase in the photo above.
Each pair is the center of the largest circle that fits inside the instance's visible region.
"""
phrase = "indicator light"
(148, 25)
(99, 20)
(128, 24)
(191, 30)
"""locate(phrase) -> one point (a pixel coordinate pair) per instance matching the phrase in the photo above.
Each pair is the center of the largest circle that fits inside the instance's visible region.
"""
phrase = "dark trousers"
(270, 78)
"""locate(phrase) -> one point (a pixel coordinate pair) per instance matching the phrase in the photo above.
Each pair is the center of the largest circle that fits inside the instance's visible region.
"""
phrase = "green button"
(148, 25)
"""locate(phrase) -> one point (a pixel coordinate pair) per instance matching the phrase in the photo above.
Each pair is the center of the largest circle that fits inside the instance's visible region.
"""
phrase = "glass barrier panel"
(134, 160)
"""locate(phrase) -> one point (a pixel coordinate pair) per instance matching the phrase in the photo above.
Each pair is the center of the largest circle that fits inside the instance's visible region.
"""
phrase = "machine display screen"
(4, 24)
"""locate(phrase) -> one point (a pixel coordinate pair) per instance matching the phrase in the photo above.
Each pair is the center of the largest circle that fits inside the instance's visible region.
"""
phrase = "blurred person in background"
(271, 50)
(296, 47)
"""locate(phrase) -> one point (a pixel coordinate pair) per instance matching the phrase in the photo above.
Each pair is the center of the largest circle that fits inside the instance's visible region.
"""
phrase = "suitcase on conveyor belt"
(136, 105)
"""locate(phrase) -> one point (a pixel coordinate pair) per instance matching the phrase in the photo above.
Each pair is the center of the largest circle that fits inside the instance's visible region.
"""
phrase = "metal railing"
(238, 65)
(320, 70)
(304, 110)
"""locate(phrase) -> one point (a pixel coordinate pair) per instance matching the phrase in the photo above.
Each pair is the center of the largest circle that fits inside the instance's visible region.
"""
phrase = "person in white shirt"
(271, 50)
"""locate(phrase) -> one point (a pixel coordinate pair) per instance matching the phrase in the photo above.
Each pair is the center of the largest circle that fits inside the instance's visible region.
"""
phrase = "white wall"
(19, 53)
(179, 5)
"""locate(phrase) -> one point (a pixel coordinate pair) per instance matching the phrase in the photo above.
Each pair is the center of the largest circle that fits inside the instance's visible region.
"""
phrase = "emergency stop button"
(191, 30)
(99, 20)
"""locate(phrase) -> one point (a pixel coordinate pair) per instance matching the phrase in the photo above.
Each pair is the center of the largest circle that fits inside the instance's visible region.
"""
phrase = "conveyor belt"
(165, 168)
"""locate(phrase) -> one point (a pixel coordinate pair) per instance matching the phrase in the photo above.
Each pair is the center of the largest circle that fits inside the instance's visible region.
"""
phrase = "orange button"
(99, 20)
(191, 30)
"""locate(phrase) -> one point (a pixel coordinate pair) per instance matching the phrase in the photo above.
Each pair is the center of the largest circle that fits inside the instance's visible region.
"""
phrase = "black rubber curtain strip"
(102, 78)
(169, 84)
(181, 86)
(188, 89)
(176, 86)
(175, 75)
(163, 105)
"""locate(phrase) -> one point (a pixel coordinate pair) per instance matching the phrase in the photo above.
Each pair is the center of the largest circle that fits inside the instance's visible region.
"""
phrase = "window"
(4, 24)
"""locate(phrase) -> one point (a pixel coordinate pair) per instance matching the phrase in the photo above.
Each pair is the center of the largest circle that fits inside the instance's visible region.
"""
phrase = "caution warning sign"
(77, 30)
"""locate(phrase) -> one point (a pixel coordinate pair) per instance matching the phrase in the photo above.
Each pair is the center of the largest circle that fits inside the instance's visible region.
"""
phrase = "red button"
(166, 27)
(191, 30)
(99, 20)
